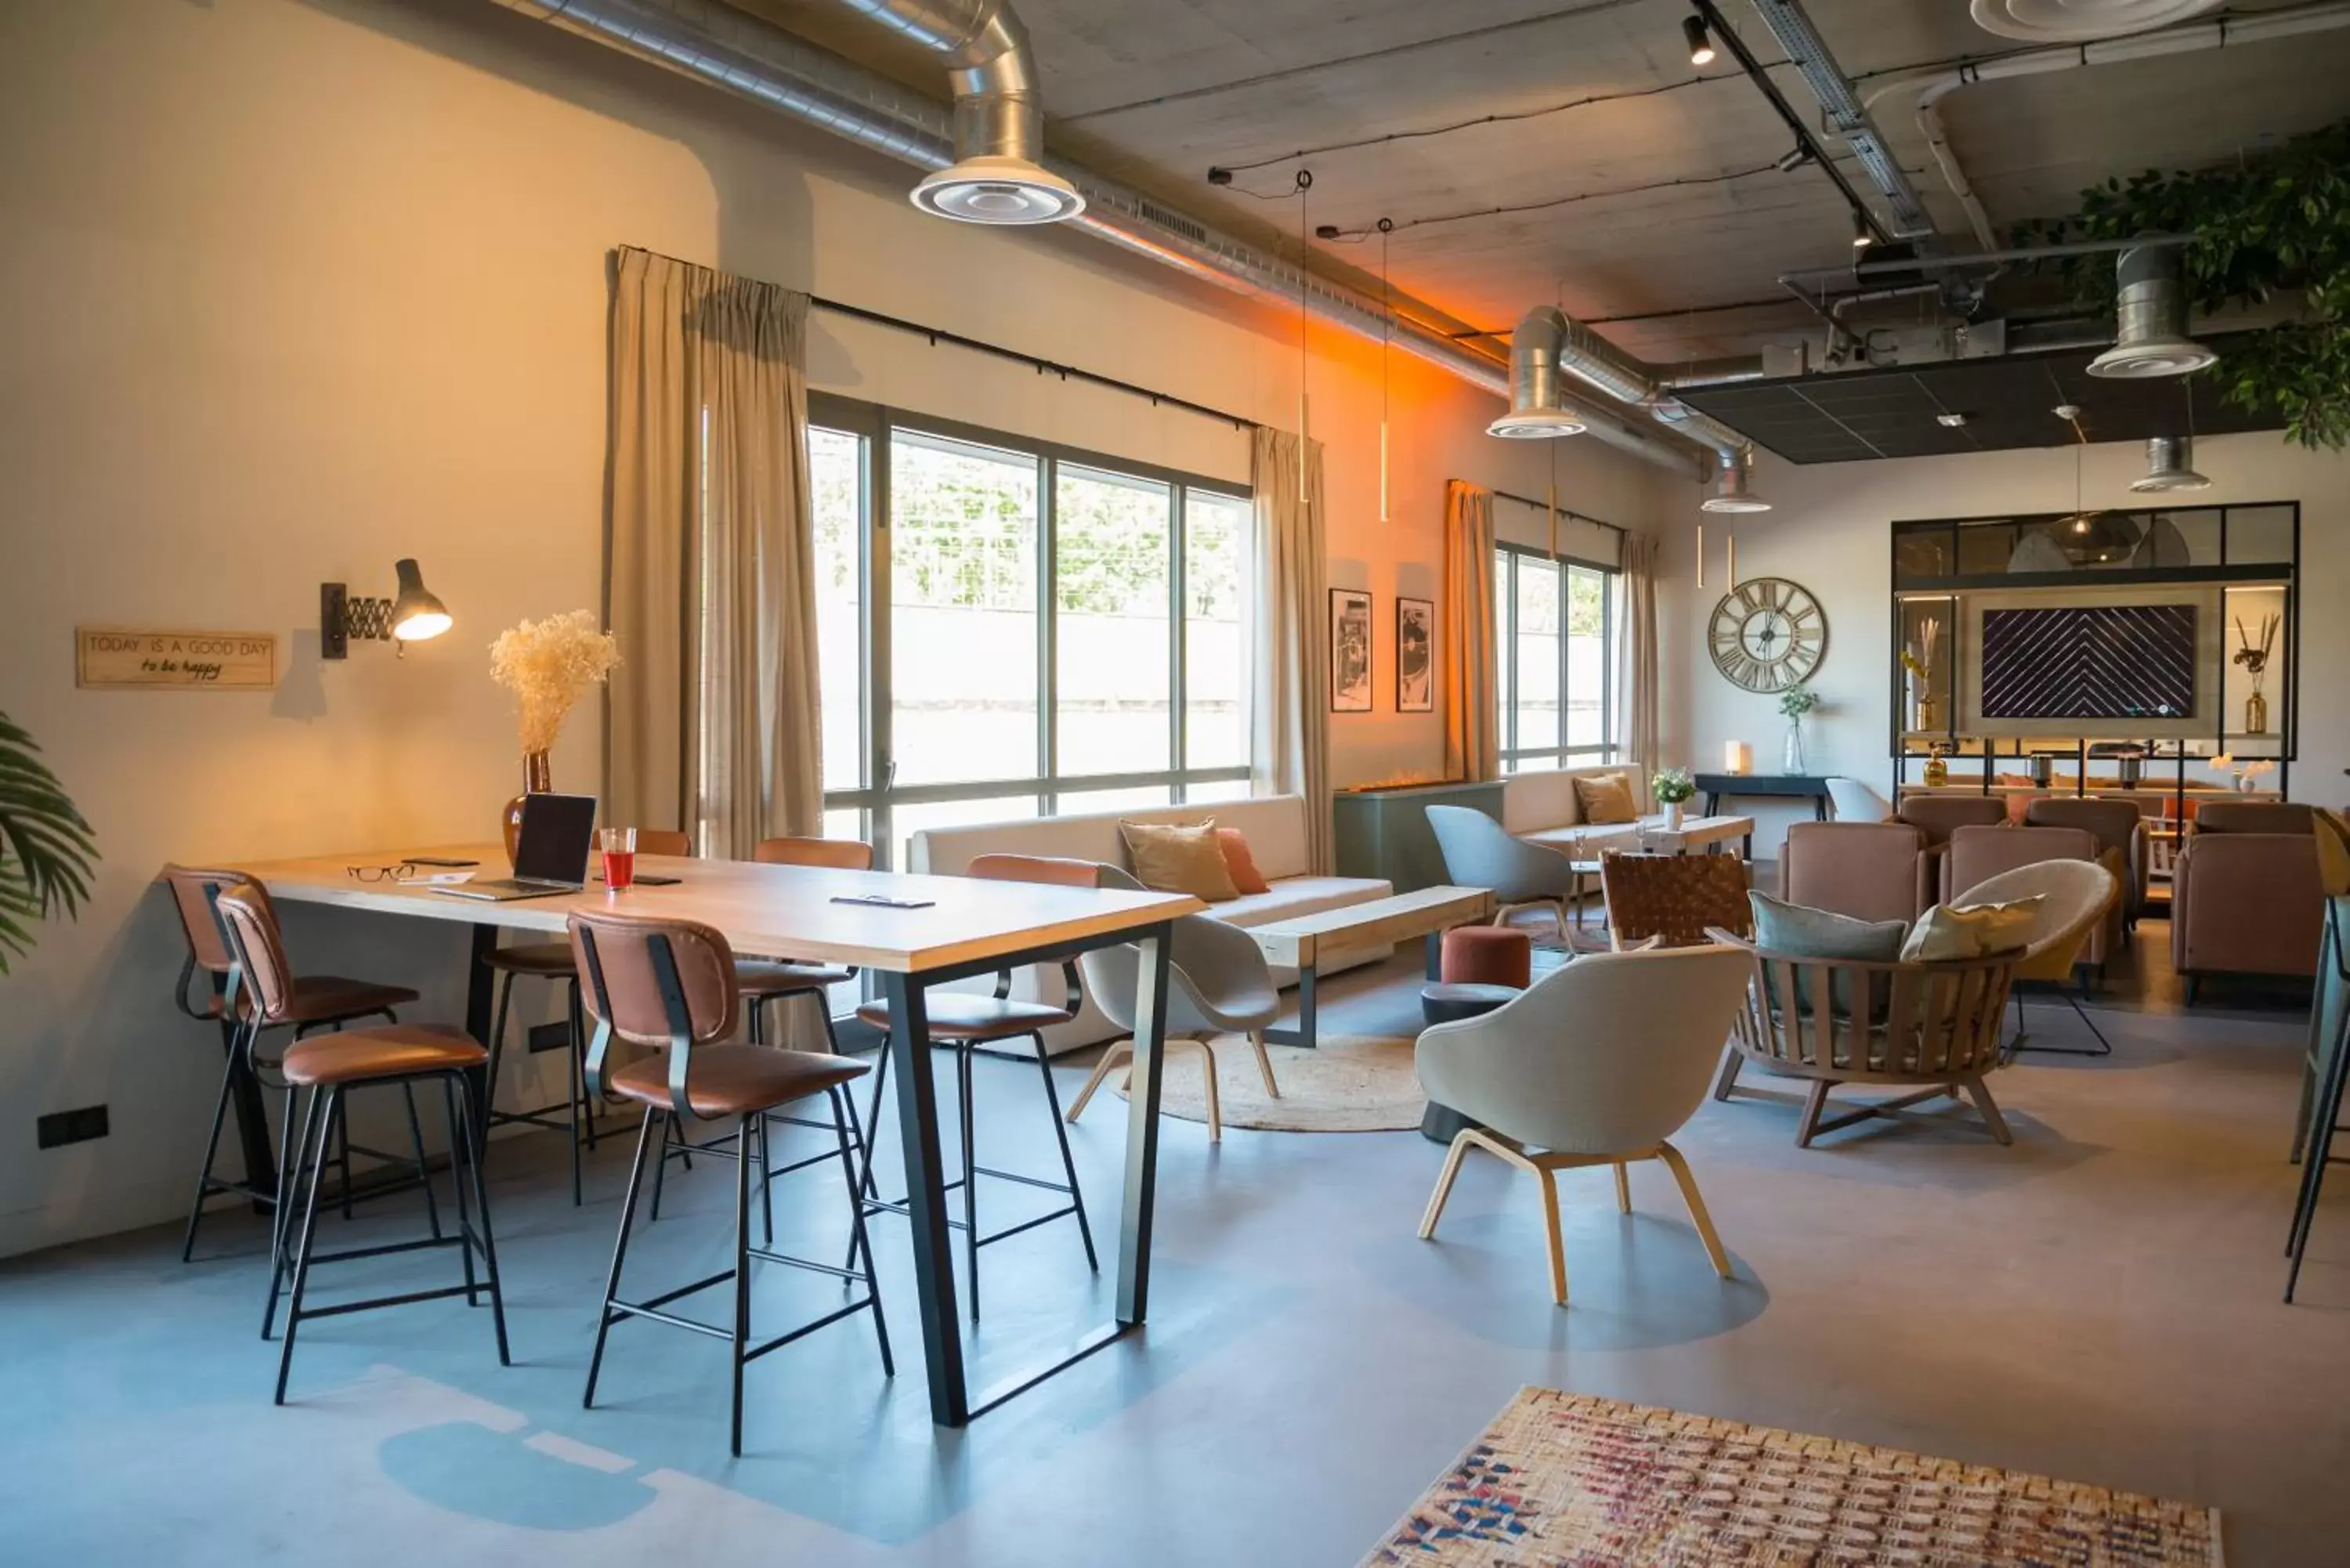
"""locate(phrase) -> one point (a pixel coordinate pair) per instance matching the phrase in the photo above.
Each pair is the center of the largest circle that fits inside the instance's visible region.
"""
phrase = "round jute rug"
(1351, 1082)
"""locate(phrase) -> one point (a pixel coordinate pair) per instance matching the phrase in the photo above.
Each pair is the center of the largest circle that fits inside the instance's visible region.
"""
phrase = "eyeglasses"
(400, 873)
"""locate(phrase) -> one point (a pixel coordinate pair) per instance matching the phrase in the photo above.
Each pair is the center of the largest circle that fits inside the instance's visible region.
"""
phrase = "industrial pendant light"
(2170, 460)
(1701, 47)
(1861, 238)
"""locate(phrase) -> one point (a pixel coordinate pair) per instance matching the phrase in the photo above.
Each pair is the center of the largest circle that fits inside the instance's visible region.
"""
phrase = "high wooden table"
(787, 911)
(1586, 842)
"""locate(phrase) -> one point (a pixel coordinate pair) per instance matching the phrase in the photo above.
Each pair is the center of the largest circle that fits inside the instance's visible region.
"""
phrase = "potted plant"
(1794, 703)
(1673, 788)
(549, 665)
(45, 848)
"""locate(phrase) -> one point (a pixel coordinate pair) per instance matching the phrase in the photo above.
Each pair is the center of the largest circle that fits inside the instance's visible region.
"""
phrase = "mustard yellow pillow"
(1605, 798)
(1945, 932)
(1179, 858)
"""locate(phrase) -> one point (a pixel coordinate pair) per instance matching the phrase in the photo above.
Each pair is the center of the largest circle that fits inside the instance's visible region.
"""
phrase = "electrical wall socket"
(61, 1127)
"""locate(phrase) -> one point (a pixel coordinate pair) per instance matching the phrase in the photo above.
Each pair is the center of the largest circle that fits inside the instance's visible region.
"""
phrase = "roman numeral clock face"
(1768, 634)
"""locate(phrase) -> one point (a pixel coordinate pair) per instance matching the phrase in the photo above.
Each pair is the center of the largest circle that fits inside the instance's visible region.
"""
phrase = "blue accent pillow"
(1798, 932)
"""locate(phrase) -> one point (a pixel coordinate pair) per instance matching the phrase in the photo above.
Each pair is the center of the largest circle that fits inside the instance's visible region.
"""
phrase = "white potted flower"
(1674, 789)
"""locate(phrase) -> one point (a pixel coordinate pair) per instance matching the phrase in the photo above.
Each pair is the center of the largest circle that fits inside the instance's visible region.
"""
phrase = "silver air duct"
(2170, 465)
(1840, 102)
(720, 46)
(1537, 399)
(999, 175)
(2151, 315)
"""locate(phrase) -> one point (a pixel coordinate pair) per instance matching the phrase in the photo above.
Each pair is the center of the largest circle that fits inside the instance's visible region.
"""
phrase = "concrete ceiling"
(1156, 92)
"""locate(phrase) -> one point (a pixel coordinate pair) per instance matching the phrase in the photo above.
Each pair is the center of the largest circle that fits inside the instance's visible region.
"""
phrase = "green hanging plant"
(46, 848)
(2275, 223)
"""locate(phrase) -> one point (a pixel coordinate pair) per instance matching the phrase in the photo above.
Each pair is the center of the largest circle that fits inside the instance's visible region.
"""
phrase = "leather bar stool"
(964, 1022)
(765, 982)
(552, 961)
(332, 1067)
(315, 1002)
(669, 984)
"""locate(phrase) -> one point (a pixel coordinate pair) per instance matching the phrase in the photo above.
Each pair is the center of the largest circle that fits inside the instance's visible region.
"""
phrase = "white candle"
(1735, 758)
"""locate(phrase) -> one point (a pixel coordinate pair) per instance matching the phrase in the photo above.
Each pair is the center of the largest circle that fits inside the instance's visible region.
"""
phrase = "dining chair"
(1671, 900)
(315, 1002)
(669, 985)
(964, 1022)
(1218, 984)
(332, 1067)
(1598, 1063)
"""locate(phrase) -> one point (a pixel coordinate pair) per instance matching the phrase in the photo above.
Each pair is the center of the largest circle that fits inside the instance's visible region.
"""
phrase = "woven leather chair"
(964, 1022)
(316, 1002)
(332, 1067)
(1837, 1020)
(1672, 899)
(670, 985)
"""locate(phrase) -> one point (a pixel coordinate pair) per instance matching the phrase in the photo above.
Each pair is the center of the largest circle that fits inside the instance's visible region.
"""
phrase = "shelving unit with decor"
(2145, 584)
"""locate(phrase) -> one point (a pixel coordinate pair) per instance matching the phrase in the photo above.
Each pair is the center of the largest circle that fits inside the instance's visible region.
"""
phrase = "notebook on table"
(550, 852)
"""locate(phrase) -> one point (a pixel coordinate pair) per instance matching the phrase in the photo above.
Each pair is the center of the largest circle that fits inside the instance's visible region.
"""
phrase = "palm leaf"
(46, 847)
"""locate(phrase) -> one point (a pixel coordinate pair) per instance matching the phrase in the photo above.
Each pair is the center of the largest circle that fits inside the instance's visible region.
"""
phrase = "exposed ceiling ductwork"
(1537, 398)
(2170, 465)
(720, 46)
(2151, 320)
(2076, 21)
(999, 175)
(1791, 24)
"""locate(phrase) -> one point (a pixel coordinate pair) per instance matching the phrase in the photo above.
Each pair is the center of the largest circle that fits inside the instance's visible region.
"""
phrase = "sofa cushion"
(1275, 824)
(1605, 798)
(1179, 858)
(1238, 863)
(1532, 802)
(1792, 930)
(1293, 895)
(1948, 932)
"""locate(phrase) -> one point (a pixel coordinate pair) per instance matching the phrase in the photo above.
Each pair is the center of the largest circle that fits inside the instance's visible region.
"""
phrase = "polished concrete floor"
(2099, 1301)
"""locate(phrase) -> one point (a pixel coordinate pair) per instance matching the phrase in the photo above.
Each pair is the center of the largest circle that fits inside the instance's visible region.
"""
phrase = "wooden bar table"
(968, 928)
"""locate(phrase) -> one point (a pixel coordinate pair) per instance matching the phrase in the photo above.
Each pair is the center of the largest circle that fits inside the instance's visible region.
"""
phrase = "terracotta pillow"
(1945, 932)
(1240, 863)
(1177, 857)
(1605, 799)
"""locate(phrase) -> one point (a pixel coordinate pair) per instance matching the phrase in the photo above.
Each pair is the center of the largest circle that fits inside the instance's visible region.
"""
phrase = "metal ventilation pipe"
(1537, 397)
(1583, 354)
(2170, 465)
(999, 175)
(2152, 320)
(720, 46)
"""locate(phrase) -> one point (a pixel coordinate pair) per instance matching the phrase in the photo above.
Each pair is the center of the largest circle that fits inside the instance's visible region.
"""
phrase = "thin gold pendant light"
(1387, 331)
(1305, 184)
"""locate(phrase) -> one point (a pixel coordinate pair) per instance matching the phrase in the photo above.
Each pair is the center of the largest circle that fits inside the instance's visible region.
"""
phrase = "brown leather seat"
(736, 1080)
(1868, 870)
(967, 1015)
(761, 978)
(552, 959)
(1939, 816)
(393, 1050)
(323, 998)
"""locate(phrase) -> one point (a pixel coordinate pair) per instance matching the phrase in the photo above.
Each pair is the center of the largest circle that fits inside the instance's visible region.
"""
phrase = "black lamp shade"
(416, 614)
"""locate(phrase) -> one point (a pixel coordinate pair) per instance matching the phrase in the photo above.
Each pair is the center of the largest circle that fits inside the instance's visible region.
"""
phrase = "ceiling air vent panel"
(2078, 20)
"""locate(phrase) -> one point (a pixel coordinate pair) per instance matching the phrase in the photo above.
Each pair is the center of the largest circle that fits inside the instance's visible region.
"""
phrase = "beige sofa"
(1274, 826)
(1542, 801)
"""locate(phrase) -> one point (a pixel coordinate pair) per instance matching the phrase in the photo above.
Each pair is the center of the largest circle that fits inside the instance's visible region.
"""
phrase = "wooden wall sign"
(201, 661)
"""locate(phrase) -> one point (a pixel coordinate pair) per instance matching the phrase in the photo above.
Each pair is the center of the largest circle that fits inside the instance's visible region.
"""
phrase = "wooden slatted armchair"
(1839, 1022)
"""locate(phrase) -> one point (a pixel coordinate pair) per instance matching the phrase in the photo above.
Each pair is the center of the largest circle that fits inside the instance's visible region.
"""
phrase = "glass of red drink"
(619, 846)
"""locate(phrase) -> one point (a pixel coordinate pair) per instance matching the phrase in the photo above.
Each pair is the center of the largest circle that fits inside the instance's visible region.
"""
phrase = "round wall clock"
(1768, 634)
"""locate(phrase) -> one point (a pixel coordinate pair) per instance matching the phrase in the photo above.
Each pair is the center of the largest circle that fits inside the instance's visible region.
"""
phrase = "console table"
(1719, 787)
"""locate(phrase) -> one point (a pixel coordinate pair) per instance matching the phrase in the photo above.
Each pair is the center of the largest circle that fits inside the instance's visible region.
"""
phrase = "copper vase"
(537, 778)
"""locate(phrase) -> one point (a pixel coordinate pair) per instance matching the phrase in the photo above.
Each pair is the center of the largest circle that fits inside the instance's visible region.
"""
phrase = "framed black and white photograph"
(1415, 656)
(1350, 651)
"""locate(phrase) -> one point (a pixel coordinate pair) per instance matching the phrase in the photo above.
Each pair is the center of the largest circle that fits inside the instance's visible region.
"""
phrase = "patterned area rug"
(1572, 1481)
(1351, 1082)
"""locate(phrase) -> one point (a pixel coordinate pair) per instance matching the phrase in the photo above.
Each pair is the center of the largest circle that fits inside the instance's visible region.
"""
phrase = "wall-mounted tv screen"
(2089, 661)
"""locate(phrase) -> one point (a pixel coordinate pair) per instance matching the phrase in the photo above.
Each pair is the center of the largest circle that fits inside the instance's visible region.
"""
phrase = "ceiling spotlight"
(1950, 422)
(2066, 410)
(1701, 47)
(1861, 237)
(1795, 158)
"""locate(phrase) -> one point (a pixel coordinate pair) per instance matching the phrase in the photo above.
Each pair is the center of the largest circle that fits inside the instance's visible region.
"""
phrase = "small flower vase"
(537, 778)
(1673, 815)
(1791, 759)
(2256, 714)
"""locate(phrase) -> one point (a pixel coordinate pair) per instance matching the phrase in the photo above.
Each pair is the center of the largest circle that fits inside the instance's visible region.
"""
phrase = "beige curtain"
(713, 724)
(1291, 750)
(1638, 720)
(1472, 743)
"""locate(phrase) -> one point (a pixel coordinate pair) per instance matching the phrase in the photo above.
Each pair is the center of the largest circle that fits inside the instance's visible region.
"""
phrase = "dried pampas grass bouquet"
(549, 665)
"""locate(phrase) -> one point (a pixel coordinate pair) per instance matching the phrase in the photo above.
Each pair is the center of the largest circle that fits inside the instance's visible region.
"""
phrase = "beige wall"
(294, 288)
(1829, 531)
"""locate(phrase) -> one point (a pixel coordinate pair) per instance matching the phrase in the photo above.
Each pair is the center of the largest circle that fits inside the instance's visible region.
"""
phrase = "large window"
(1010, 629)
(1555, 626)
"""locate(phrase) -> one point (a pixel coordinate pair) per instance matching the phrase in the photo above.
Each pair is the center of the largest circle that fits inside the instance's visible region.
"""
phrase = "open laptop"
(550, 852)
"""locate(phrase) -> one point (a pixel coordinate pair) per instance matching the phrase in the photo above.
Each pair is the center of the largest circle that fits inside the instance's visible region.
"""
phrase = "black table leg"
(1749, 851)
(1142, 1130)
(1434, 969)
(252, 1116)
(926, 1198)
(1308, 1014)
(1713, 804)
(481, 985)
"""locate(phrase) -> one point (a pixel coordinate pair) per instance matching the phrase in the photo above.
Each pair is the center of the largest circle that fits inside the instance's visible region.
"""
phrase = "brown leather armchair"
(2119, 828)
(2246, 896)
(1939, 816)
(1869, 870)
(1978, 854)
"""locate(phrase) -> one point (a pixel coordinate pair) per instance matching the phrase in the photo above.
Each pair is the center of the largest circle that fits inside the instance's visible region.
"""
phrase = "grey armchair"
(1479, 852)
(1218, 984)
(1595, 1063)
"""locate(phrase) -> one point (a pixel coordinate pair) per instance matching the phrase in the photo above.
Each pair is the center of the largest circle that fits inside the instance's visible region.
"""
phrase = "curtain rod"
(1562, 511)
